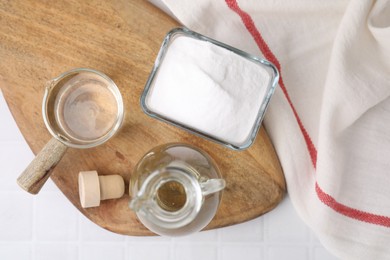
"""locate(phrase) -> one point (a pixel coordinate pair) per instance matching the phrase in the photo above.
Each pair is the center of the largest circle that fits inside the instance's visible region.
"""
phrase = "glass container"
(175, 189)
(82, 108)
(265, 89)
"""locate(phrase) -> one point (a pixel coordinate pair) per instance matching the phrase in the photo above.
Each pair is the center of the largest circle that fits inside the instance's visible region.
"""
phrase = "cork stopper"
(94, 188)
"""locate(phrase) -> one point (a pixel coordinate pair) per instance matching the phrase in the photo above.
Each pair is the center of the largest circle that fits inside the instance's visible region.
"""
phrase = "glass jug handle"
(212, 185)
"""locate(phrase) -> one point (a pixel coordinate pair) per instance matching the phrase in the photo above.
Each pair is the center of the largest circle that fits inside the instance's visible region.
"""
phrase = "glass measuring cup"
(176, 189)
(82, 108)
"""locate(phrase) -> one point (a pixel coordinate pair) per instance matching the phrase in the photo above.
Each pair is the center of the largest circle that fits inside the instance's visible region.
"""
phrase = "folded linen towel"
(330, 118)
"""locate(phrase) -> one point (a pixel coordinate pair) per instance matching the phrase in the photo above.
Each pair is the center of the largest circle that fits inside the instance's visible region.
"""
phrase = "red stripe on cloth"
(351, 212)
(250, 26)
(323, 197)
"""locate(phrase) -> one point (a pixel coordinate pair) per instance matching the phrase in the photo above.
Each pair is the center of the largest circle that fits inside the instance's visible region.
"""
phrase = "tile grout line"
(34, 228)
(263, 239)
(79, 240)
(265, 236)
(172, 249)
(312, 246)
(219, 245)
(125, 247)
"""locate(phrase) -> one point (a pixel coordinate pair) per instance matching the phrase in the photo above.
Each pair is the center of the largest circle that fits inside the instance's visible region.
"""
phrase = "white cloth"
(330, 118)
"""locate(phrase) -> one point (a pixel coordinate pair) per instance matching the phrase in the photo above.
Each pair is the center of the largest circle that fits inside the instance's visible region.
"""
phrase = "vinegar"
(86, 109)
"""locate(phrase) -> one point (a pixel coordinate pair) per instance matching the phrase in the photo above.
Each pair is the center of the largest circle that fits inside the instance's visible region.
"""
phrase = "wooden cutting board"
(41, 39)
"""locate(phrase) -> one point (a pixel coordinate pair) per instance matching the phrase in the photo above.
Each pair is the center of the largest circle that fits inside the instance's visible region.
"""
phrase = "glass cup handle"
(39, 170)
(212, 185)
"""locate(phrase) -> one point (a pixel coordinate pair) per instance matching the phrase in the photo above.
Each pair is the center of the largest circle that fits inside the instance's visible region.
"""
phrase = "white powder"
(209, 88)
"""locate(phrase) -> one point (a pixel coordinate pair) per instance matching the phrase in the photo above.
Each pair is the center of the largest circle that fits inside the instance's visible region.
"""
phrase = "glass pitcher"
(175, 189)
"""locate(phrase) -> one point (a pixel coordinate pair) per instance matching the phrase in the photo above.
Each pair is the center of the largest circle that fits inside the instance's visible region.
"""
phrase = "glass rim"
(119, 117)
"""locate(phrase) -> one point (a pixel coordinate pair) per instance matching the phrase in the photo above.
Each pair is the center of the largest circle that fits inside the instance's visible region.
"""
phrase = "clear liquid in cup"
(86, 108)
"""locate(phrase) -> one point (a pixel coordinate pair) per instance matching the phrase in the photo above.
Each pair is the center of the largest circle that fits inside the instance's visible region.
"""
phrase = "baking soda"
(210, 89)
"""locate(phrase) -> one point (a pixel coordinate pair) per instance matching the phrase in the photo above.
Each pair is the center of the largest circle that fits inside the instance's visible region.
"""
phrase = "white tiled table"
(47, 226)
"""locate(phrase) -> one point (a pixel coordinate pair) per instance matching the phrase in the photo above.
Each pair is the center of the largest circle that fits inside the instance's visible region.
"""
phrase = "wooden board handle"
(39, 170)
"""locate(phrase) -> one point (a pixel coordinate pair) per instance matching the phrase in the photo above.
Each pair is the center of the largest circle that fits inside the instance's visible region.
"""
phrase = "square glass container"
(182, 76)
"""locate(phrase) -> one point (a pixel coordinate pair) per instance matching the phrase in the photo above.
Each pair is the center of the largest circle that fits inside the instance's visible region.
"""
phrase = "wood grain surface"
(41, 39)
